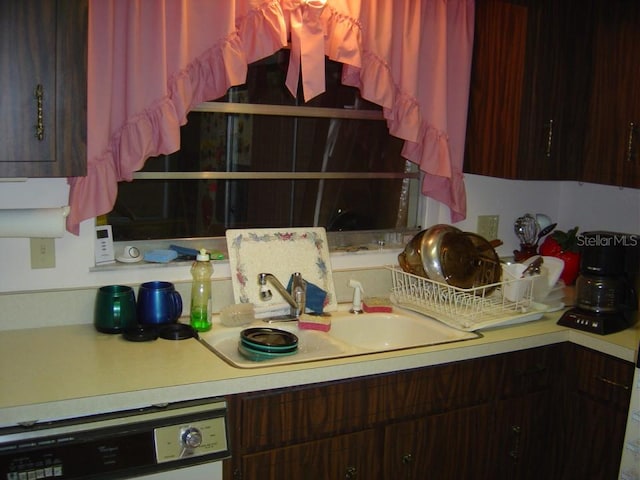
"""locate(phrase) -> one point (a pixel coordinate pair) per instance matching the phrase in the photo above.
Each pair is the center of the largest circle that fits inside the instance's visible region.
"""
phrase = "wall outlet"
(488, 226)
(43, 253)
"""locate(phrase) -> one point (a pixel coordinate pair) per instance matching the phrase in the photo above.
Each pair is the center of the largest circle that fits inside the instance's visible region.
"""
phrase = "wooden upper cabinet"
(497, 78)
(613, 140)
(554, 91)
(556, 83)
(527, 112)
(43, 71)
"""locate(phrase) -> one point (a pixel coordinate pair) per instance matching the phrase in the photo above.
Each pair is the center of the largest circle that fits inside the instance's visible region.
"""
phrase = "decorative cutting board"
(280, 252)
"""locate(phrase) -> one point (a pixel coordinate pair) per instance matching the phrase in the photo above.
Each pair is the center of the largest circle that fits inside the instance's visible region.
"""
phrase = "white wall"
(569, 203)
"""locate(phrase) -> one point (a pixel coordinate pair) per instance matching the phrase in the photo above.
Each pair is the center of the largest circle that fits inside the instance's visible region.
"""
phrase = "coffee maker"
(607, 285)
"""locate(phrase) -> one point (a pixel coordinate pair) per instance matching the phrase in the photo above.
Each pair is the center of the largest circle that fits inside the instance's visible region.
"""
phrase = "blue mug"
(158, 303)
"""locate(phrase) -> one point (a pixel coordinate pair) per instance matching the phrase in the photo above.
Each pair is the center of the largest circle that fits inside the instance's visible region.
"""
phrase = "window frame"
(280, 110)
(339, 241)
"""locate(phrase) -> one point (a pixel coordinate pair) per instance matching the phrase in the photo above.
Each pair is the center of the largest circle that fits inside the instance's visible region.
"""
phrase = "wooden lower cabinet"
(555, 412)
(596, 407)
(447, 445)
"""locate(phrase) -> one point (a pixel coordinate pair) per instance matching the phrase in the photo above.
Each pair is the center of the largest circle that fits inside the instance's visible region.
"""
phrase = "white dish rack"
(465, 309)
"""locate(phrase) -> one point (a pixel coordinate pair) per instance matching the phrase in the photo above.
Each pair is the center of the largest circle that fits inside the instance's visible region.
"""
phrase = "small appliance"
(607, 286)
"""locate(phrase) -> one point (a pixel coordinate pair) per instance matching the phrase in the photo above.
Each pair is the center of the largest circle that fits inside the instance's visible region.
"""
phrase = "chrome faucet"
(297, 298)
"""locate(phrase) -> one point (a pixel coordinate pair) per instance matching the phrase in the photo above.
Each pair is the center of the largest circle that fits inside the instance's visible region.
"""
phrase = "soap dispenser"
(356, 307)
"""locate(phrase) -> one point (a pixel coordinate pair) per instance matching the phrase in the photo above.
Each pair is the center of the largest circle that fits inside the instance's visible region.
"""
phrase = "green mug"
(115, 309)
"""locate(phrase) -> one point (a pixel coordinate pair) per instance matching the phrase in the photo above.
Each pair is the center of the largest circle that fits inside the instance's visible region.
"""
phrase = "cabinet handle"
(534, 370)
(39, 94)
(515, 450)
(632, 128)
(407, 458)
(612, 382)
(352, 473)
(547, 153)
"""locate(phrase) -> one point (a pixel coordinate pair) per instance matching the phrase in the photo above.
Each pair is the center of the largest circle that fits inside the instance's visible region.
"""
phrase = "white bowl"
(550, 271)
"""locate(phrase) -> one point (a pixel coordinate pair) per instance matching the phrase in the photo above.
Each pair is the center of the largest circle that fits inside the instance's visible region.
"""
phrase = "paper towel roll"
(33, 222)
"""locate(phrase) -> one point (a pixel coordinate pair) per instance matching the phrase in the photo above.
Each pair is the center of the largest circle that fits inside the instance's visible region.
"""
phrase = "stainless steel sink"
(350, 335)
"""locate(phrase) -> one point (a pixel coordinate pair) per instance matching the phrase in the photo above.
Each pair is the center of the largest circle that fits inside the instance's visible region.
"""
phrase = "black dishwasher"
(125, 444)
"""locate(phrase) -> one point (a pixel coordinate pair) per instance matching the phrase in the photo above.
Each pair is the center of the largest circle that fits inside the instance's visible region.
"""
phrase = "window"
(259, 157)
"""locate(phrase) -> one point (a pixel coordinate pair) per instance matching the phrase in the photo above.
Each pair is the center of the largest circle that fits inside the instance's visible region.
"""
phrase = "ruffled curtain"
(152, 61)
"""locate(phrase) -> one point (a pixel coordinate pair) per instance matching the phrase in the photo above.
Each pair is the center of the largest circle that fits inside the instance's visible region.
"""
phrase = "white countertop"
(70, 371)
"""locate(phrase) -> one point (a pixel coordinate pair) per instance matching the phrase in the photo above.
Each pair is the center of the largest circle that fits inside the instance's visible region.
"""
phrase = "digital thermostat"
(104, 245)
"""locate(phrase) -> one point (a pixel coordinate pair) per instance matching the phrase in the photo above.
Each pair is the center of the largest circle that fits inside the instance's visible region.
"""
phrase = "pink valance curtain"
(152, 61)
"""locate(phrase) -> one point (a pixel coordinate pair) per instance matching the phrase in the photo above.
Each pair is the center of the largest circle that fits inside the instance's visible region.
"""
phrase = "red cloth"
(152, 61)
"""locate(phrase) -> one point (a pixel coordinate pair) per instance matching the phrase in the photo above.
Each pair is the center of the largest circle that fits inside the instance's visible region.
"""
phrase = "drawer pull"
(515, 450)
(613, 383)
(39, 94)
(632, 128)
(547, 153)
(536, 369)
(407, 458)
(351, 473)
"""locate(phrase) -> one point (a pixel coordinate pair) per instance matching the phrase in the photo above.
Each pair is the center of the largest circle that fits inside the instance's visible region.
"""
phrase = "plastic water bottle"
(201, 271)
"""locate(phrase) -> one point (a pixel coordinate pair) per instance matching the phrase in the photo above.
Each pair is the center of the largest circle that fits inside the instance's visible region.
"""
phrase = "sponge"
(321, 323)
(160, 256)
(237, 314)
(376, 304)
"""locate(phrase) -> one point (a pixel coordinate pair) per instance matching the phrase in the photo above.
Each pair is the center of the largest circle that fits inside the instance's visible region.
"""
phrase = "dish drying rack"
(464, 309)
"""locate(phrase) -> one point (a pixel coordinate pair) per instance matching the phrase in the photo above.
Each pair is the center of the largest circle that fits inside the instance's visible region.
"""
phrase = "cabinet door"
(613, 140)
(524, 439)
(354, 456)
(594, 439)
(448, 445)
(43, 88)
(596, 407)
(556, 83)
(497, 79)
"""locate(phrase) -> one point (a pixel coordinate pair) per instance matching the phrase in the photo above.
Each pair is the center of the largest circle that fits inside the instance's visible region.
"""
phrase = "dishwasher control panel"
(117, 444)
(193, 439)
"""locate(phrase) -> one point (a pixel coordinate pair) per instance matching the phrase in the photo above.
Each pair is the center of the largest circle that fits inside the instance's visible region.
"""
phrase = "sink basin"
(350, 335)
(392, 331)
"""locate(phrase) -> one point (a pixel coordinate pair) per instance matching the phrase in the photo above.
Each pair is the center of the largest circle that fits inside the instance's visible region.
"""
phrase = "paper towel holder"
(33, 222)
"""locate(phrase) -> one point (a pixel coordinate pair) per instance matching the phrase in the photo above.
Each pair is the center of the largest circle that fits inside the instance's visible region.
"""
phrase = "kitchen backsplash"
(75, 306)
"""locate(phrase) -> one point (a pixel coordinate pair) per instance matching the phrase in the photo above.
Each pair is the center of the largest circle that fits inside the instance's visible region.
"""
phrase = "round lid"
(269, 336)
(177, 331)
(141, 333)
(203, 256)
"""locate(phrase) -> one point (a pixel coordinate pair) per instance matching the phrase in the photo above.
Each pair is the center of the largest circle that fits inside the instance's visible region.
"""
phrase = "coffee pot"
(606, 288)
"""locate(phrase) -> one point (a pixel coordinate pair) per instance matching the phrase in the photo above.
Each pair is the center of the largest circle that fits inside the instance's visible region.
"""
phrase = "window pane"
(151, 209)
(231, 142)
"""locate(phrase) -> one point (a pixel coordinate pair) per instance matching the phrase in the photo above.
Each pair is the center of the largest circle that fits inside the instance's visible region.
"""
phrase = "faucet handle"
(265, 292)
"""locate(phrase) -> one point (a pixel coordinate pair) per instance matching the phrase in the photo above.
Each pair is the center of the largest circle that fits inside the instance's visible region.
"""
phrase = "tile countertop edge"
(495, 341)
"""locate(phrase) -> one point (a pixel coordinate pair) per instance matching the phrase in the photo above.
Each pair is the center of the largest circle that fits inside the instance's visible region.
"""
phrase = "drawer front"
(443, 388)
(529, 371)
(281, 417)
(600, 377)
(354, 456)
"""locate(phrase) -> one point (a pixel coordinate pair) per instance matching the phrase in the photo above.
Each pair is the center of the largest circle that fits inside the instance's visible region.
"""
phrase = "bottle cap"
(203, 256)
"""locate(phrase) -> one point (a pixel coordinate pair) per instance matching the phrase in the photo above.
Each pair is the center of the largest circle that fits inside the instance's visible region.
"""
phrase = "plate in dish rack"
(280, 252)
